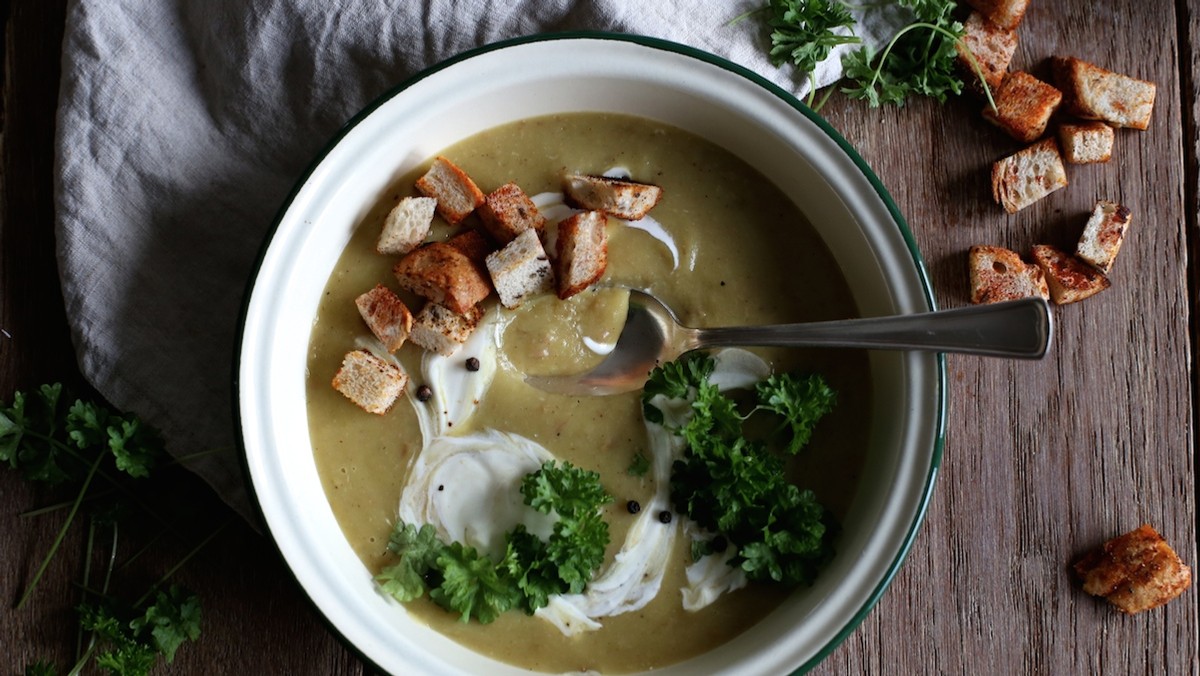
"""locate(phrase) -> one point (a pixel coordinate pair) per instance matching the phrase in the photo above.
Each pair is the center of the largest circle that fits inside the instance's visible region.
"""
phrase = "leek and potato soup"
(722, 247)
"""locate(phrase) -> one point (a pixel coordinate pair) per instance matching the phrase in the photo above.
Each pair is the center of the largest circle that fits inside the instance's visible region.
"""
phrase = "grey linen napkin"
(182, 126)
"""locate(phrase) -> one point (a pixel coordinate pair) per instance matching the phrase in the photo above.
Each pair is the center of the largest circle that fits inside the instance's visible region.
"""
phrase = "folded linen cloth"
(183, 124)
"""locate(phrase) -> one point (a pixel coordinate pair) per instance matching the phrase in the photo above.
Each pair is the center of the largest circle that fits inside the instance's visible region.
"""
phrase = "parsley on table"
(736, 486)
(461, 579)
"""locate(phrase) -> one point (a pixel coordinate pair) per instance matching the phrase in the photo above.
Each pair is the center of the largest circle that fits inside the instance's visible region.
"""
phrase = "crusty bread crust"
(442, 273)
(473, 244)
(1093, 93)
(999, 274)
(1103, 234)
(441, 330)
(1136, 571)
(507, 212)
(1028, 175)
(1070, 279)
(630, 200)
(370, 382)
(582, 252)
(1004, 13)
(1024, 105)
(992, 46)
(386, 315)
(456, 194)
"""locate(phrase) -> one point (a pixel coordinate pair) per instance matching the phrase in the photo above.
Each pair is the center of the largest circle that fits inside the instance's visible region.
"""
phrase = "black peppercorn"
(633, 506)
(664, 516)
(472, 364)
(424, 393)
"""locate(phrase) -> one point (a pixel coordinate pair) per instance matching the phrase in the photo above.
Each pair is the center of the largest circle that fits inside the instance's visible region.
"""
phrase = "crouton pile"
(1069, 122)
(511, 252)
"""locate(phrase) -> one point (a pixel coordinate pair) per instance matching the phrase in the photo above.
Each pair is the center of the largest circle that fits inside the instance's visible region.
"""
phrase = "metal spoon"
(652, 335)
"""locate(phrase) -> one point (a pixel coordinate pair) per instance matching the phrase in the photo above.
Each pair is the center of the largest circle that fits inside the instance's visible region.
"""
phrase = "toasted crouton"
(386, 315)
(473, 244)
(443, 274)
(1004, 13)
(582, 252)
(1094, 93)
(992, 48)
(370, 382)
(1136, 571)
(441, 330)
(1028, 175)
(520, 269)
(456, 194)
(1086, 143)
(507, 212)
(1070, 279)
(406, 225)
(998, 274)
(625, 199)
(1024, 105)
(1104, 234)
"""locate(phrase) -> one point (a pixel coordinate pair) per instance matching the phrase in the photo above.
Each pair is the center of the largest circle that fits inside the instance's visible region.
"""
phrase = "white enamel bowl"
(550, 74)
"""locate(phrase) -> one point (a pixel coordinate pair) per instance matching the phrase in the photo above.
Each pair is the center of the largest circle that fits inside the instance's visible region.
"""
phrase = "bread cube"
(1024, 105)
(1103, 234)
(992, 47)
(443, 274)
(1136, 571)
(456, 194)
(507, 212)
(441, 330)
(1086, 143)
(625, 199)
(1094, 93)
(521, 269)
(1028, 175)
(473, 244)
(999, 274)
(582, 252)
(1070, 279)
(1004, 13)
(372, 383)
(386, 315)
(406, 225)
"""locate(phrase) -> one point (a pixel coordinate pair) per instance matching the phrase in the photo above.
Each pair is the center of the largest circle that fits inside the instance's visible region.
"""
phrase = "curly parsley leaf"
(674, 380)
(920, 59)
(800, 401)
(418, 550)
(41, 668)
(132, 647)
(803, 32)
(173, 619)
(472, 585)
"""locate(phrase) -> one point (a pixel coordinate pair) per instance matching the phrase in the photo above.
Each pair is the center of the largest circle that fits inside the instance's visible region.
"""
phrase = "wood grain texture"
(1042, 460)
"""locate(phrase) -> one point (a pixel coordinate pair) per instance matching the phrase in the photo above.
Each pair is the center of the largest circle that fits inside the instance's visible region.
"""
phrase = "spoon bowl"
(653, 335)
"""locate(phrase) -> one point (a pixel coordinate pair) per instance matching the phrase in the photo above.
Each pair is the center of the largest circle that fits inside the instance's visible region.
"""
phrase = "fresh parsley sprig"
(461, 579)
(734, 485)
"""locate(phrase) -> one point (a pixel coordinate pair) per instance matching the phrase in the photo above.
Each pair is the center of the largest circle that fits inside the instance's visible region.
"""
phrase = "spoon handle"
(1019, 328)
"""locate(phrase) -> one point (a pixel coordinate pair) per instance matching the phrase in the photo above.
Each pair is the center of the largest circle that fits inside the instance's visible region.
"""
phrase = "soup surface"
(724, 247)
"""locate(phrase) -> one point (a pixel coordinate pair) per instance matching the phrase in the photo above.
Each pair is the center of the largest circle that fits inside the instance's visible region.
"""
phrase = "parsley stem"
(62, 532)
(181, 562)
(937, 29)
(87, 577)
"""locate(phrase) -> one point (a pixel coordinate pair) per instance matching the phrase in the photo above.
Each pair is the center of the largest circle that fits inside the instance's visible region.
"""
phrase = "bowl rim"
(920, 268)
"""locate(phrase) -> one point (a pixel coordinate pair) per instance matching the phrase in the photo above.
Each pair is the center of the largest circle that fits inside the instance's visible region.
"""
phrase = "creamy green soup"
(732, 250)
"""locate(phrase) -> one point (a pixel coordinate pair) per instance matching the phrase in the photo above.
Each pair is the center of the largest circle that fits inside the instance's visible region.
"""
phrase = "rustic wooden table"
(1042, 460)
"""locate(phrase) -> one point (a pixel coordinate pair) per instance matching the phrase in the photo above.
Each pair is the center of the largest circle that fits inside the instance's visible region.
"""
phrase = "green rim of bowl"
(701, 55)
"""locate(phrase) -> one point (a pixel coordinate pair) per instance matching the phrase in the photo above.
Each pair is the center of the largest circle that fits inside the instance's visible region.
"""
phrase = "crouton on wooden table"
(1028, 175)
(1086, 142)
(1004, 13)
(439, 329)
(369, 381)
(406, 225)
(582, 252)
(507, 212)
(992, 48)
(1024, 105)
(999, 274)
(443, 274)
(1069, 278)
(520, 270)
(625, 199)
(1103, 234)
(1093, 93)
(456, 194)
(386, 315)
(1136, 571)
